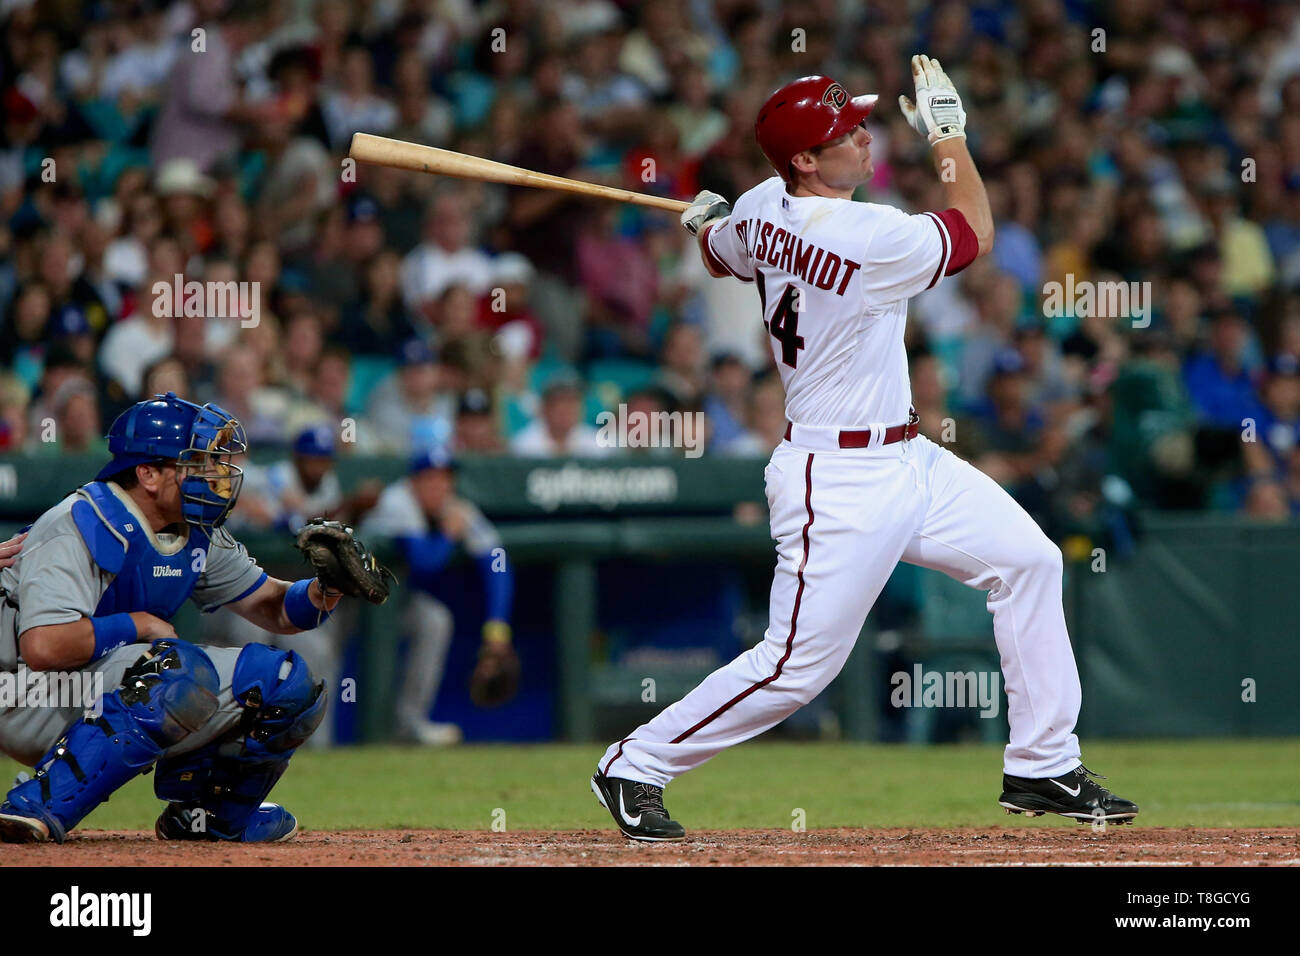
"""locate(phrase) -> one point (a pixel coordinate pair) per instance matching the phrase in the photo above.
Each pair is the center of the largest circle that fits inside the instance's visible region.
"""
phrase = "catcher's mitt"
(496, 676)
(341, 561)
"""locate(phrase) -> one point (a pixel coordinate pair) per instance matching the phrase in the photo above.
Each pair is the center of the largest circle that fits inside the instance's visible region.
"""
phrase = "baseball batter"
(93, 589)
(853, 489)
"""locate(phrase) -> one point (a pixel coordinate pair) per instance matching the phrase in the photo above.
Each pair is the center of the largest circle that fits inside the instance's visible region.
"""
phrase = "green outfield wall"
(1195, 633)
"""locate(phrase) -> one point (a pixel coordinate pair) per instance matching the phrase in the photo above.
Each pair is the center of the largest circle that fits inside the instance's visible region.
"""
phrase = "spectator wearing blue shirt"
(1221, 388)
(1282, 230)
(1277, 429)
(727, 400)
(1017, 252)
(1010, 437)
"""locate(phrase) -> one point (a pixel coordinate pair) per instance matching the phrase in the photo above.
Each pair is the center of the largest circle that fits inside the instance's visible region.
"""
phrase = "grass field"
(1216, 783)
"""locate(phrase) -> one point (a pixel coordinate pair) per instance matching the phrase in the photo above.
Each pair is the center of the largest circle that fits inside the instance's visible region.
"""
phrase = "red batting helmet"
(805, 113)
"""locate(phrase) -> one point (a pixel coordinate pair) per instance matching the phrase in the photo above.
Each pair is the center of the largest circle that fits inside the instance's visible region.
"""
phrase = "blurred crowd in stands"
(1149, 141)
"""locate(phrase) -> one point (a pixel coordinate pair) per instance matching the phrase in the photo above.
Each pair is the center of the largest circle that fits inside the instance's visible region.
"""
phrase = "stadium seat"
(367, 372)
(626, 375)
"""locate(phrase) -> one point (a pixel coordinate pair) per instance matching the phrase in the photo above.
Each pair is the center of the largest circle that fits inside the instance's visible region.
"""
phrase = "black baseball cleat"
(270, 823)
(1073, 794)
(637, 808)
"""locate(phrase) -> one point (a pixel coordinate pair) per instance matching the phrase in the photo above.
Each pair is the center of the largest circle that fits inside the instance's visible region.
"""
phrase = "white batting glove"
(705, 207)
(937, 114)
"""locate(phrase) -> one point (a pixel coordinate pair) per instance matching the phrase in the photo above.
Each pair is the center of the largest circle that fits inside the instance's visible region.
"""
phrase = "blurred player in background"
(428, 522)
(282, 496)
(477, 428)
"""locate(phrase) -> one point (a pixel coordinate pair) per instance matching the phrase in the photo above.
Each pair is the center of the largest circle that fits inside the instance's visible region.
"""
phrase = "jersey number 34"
(785, 325)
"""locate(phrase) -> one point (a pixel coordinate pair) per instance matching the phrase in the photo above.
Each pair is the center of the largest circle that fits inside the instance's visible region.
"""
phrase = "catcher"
(427, 521)
(92, 592)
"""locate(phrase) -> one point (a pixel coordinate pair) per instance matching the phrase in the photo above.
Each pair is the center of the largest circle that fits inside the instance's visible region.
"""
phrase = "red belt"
(861, 437)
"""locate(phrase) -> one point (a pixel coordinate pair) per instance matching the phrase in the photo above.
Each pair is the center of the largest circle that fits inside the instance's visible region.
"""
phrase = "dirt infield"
(1015, 846)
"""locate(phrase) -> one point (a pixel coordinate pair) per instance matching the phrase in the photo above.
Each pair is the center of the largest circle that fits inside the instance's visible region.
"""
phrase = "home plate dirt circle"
(970, 846)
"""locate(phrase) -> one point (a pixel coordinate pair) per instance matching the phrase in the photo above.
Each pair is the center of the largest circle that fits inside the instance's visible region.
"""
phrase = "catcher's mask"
(211, 480)
(203, 441)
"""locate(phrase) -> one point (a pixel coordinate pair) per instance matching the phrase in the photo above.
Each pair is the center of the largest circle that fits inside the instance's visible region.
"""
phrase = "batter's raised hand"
(705, 207)
(937, 113)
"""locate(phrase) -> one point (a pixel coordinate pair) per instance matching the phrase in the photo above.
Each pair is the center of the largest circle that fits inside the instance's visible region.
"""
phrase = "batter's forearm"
(964, 189)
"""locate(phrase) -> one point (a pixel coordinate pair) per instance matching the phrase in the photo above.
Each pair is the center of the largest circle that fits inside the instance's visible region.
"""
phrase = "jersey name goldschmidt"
(834, 277)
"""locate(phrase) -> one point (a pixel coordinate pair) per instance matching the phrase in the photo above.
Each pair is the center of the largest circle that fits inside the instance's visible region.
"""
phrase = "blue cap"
(363, 209)
(315, 442)
(437, 457)
(294, 280)
(1008, 361)
(1284, 364)
(416, 352)
(69, 320)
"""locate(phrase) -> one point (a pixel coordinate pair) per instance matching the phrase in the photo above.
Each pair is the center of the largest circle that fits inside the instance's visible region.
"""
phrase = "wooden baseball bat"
(429, 159)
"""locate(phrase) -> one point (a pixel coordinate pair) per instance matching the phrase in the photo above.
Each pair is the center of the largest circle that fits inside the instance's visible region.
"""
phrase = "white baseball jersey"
(834, 276)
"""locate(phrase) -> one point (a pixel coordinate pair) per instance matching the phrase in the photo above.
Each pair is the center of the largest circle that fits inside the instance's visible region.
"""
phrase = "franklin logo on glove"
(937, 113)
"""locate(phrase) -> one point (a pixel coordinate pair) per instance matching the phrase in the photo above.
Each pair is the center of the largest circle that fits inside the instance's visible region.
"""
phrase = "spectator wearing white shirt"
(140, 69)
(559, 430)
(132, 345)
(411, 410)
(136, 342)
(242, 389)
(355, 106)
(610, 102)
(126, 260)
(445, 257)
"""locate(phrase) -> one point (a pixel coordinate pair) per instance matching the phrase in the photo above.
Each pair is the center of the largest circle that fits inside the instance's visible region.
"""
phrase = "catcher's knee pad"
(228, 779)
(169, 693)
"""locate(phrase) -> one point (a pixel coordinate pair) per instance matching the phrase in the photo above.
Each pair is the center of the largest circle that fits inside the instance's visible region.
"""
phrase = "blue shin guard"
(165, 696)
(216, 791)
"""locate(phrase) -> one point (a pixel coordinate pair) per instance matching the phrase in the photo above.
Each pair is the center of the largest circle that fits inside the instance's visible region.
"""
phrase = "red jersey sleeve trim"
(714, 259)
(962, 240)
(945, 249)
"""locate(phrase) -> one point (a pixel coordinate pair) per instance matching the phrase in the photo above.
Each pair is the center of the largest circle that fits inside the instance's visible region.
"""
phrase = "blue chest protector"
(145, 580)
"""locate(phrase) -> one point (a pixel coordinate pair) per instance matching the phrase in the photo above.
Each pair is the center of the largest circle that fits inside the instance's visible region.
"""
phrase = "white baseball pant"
(842, 520)
(430, 625)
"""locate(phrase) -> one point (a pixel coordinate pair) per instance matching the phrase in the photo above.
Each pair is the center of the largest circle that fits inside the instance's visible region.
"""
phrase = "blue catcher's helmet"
(201, 439)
